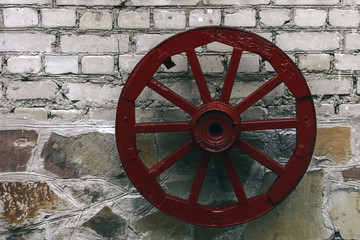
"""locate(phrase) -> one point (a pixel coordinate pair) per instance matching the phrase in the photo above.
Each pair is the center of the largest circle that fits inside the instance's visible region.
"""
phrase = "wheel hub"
(215, 126)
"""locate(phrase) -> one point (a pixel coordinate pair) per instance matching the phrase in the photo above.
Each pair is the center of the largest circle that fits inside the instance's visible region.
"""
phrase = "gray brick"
(317, 62)
(211, 64)
(93, 92)
(24, 64)
(163, 2)
(134, 19)
(351, 2)
(20, 17)
(61, 64)
(37, 42)
(90, 3)
(98, 65)
(352, 41)
(317, 41)
(204, 17)
(170, 19)
(96, 20)
(243, 18)
(349, 110)
(31, 90)
(347, 61)
(329, 85)
(310, 17)
(325, 109)
(274, 17)
(94, 43)
(344, 18)
(23, 2)
(249, 63)
(71, 114)
(128, 62)
(32, 113)
(145, 42)
(237, 2)
(306, 2)
(102, 114)
(58, 17)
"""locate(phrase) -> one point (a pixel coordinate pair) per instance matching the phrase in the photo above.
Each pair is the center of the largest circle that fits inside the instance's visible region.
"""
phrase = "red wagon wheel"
(215, 127)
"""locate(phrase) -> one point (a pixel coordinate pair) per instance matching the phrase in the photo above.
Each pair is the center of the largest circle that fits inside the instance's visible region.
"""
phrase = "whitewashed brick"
(96, 20)
(94, 43)
(90, 3)
(61, 64)
(145, 42)
(352, 41)
(347, 61)
(128, 62)
(211, 64)
(310, 17)
(92, 92)
(71, 114)
(319, 41)
(249, 63)
(204, 17)
(274, 17)
(163, 2)
(329, 85)
(325, 109)
(316, 62)
(31, 90)
(34, 113)
(170, 19)
(134, 19)
(218, 47)
(351, 2)
(24, 64)
(344, 18)
(349, 110)
(358, 85)
(102, 114)
(237, 2)
(98, 65)
(243, 18)
(20, 17)
(26, 2)
(243, 89)
(181, 64)
(306, 2)
(58, 17)
(26, 42)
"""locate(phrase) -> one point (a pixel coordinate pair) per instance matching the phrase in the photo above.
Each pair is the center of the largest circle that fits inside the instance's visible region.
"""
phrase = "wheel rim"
(215, 127)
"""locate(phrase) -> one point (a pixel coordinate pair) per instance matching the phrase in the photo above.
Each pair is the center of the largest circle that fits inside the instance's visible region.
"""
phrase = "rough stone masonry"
(63, 64)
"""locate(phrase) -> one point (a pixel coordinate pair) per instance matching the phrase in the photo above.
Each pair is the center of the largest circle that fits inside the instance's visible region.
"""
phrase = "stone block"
(16, 149)
(145, 42)
(347, 62)
(90, 3)
(306, 2)
(94, 43)
(204, 17)
(98, 64)
(352, 174)
(249, 63)
(92, 92)
(243, 18)
(236, 2)
(351, 2)
(218, 47)
(23, 200)
(284, 111)
(81, 155)
(24, 64)
(325, 109)
(134, 19)
(338, 149)
(352, 41)
(303, 209)
(52, 18)
(305, 41)
(102, 114)
(169, 19)
(164, 2)
(274, 17)
(20, 17)
(211, 64)
(315, 62)
(331, 85)
(349, 110)
(26, 2)
(344, 209)
(33, 113)
(310, 17)
(344, 18)
(31, 90)
(61, 64)
(96, 20)
(128, 62)
(27, 42)
(72, 114)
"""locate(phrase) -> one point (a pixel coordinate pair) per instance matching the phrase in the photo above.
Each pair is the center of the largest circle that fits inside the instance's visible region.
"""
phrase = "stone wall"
(63, 64)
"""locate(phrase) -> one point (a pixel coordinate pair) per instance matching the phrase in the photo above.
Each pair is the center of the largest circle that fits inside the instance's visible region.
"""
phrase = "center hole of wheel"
(215, 129)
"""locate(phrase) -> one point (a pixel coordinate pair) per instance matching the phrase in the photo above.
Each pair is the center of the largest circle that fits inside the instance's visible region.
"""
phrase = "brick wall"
(63, 64)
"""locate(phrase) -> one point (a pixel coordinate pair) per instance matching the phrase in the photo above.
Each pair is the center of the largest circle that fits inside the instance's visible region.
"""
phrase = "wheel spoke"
(171, 96)
(234, 178)
(199, 76)
(260, 157)
(171, 159)
(230, 75)
(152, 127)
(269, 124)
(199, 178)
(258, 94)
